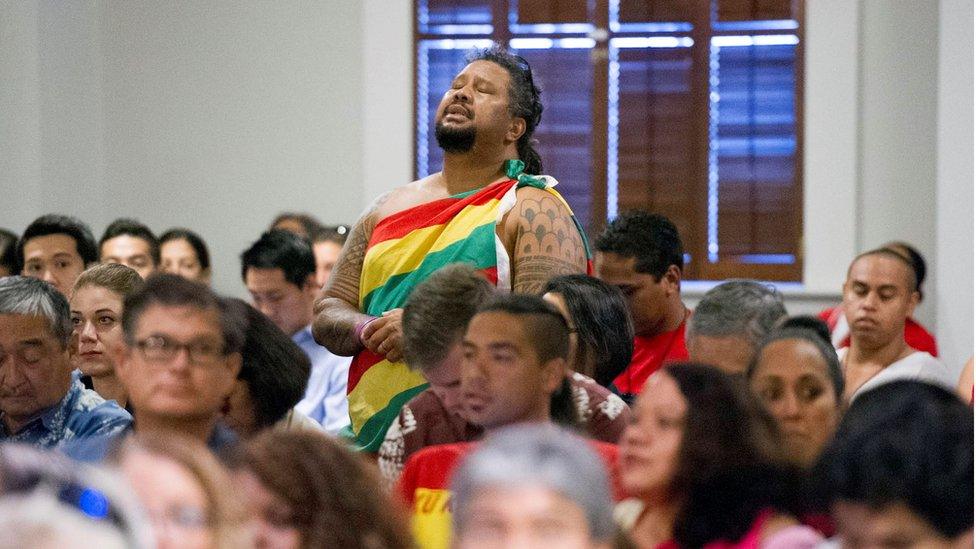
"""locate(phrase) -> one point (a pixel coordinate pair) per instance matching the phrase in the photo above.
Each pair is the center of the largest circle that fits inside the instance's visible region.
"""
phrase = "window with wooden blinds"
(689, 108)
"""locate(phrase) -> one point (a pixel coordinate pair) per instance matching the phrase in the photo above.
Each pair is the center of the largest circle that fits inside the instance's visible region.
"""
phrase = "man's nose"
(48, 276)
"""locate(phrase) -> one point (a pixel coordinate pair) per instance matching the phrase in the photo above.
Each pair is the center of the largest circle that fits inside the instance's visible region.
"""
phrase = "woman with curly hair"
(305, 490)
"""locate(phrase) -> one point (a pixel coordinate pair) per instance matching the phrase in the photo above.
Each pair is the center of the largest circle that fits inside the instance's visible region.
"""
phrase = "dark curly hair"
(523, 99)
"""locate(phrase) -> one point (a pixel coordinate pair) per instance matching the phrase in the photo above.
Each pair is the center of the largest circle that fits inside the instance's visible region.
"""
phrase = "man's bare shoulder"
(412, 194)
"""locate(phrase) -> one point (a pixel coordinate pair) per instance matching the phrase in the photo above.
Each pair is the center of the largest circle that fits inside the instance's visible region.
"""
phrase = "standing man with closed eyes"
(487, 207)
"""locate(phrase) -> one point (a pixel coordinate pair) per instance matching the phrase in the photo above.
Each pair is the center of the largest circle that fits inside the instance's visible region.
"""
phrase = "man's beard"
(455, 140)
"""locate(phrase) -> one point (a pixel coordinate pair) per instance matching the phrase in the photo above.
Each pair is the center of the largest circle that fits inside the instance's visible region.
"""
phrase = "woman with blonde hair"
(185, 492)
(96, 320)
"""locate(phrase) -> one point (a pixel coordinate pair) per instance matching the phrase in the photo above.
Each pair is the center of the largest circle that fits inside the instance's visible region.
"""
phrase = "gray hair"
(21, 295)
(537, 455)
(738, 308)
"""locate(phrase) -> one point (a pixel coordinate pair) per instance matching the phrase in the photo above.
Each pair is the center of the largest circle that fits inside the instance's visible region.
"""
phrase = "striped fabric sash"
(404, 249)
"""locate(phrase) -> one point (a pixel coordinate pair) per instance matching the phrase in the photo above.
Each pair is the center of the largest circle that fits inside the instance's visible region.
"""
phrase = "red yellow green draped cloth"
(403, 250)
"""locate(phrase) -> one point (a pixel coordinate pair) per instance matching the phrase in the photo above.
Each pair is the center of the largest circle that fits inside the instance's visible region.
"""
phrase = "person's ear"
(913, 302)
(516, 128)
(553, 373)
(233, 363)
(672, 279)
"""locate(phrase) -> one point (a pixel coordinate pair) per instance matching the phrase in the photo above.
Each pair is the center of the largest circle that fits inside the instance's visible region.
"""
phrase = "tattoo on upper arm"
(344, 282)
(548, 244)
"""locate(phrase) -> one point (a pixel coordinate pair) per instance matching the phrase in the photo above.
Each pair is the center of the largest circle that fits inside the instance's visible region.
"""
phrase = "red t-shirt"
(650, 353)
(916, 336)
(427, 476)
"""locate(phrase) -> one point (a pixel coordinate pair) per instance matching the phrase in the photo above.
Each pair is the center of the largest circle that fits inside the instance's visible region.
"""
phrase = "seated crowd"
(138, 408)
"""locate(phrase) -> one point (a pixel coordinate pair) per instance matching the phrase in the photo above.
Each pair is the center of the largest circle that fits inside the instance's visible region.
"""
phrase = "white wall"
(211, 115)
(218, 115)
(954, 199)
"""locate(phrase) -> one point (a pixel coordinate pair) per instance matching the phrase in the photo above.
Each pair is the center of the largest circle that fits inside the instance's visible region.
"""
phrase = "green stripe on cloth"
(393, 293)
(371, 436)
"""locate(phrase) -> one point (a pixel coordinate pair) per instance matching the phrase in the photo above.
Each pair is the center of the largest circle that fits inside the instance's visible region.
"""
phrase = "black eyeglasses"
(163, 349)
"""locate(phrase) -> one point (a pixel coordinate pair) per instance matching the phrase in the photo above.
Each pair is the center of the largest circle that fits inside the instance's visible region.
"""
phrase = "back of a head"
(274, 367)
(738, 308)
(61, 224)
(335, 497)
(46, 494)
(523, 99)
(437, 312)
(603, 326)
(536, 456)
(226, 510)
(114, 277)
(21, 295)
(131, 227)
(546, 328)
(905, 443)
(730, 466)
(650, 238)
(281, 249)
(330, 233)
(299, 223)
(193, 239)
(9, 259)
(169, 290)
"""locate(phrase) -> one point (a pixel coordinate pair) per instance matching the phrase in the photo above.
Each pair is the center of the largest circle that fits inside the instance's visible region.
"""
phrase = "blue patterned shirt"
(81, 414)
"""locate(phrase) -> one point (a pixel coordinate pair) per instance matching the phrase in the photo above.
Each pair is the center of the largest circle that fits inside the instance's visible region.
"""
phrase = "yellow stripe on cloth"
(379, 384)
(403, 255)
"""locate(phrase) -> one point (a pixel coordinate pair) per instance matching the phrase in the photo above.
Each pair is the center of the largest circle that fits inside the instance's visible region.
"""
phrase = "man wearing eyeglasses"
(179, 363)
(41, 403)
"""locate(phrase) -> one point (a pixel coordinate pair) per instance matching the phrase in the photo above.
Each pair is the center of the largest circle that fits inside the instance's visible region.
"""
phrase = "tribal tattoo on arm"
(547, 242)
(337, 308)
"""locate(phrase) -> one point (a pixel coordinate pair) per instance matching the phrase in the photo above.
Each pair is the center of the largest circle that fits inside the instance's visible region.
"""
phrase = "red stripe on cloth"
(438, 212)
(491, 273)
(363, 361)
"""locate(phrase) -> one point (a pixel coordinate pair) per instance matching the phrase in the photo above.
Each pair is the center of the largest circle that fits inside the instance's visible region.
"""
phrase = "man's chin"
(455, 139)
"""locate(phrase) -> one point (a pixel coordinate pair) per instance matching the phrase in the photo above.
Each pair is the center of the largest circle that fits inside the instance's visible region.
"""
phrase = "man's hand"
(384, 336)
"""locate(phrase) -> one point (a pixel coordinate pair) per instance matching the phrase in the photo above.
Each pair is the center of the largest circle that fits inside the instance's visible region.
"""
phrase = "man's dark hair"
(603, 327)
(273, 366)
(523, 99)
(308, 222)
(280, 249)
(336, 234)
(193, 239)
(437, 312)
(8, 252)
(651, 238)
(908, 443)
(170, 290)
(134, 228)
(61, 224)
(546, 328)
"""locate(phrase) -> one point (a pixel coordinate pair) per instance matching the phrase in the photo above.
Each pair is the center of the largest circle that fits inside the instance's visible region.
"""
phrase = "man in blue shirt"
(279, 272)
(41, 403)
